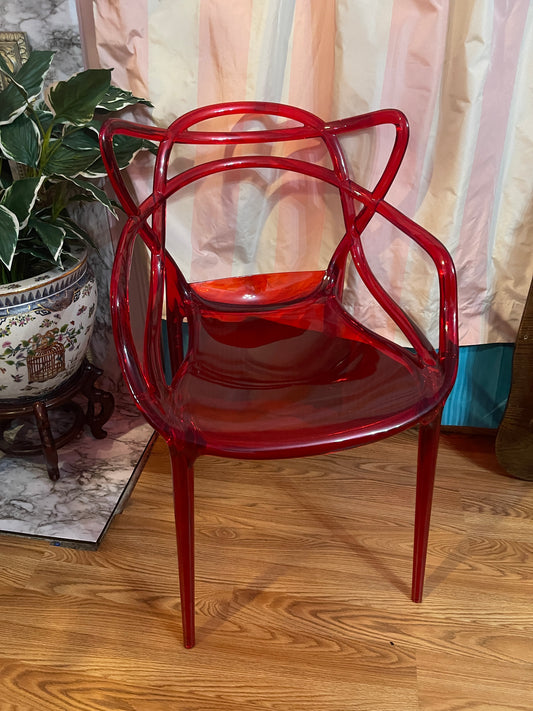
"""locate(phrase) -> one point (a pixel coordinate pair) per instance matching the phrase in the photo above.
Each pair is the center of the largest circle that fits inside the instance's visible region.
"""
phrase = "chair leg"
(428, 445)
(183, 480)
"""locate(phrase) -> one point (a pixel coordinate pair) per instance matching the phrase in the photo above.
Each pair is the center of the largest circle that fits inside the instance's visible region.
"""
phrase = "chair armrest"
(448, 327)
(145, 377)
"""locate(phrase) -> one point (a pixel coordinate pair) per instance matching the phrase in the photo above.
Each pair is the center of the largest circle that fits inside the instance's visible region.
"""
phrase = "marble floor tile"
(96, 477)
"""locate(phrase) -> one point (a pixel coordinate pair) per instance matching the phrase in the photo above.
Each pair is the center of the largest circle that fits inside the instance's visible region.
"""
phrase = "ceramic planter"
(45, 327)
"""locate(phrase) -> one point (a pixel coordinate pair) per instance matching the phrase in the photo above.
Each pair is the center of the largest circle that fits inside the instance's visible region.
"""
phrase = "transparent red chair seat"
(275, 365)
(295, 382)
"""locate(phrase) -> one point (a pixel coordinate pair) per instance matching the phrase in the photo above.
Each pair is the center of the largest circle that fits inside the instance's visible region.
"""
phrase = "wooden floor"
(303, 573)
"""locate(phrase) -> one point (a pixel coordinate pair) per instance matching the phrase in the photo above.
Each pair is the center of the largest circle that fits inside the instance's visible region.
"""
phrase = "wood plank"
(303, 572)
(18, 559)
(446, 684)
(65, 691)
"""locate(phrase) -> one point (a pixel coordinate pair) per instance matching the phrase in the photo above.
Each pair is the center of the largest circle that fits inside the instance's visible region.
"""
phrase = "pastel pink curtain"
(462, 71)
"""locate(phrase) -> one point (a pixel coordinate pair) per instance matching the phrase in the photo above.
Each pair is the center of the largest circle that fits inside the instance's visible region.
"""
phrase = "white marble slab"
(49, 24)
(96, 477)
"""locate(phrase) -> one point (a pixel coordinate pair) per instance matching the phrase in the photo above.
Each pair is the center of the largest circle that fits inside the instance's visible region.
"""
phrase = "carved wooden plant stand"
(100, 405)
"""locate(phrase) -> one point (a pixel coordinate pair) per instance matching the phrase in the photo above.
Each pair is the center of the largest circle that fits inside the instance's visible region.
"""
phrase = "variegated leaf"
(24, 86)
(32, 73)
(9, 229)
(52, 236)
(20, 141)
(74, 101)
(74, 231)
(69, 163)
(96, 192)
(125, 148)
(20, 198)
(116, 99)
(82, 140)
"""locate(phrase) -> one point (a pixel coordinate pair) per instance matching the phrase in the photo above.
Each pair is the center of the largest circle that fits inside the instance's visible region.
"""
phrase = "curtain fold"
(461, 70)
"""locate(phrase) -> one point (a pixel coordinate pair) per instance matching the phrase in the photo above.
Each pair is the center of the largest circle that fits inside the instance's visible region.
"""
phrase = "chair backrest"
(359, 205)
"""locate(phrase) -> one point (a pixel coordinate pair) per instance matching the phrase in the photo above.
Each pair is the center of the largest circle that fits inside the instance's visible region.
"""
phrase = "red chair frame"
(219, 313)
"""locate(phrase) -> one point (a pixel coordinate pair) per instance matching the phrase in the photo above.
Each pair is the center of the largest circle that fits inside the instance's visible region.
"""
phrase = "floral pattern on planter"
(44, 337)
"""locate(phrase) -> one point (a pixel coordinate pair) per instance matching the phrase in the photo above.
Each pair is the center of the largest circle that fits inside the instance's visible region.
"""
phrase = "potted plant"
(49, 158)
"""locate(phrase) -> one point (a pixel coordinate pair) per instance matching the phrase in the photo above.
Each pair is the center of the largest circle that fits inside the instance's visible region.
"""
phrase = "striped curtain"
(461, 70)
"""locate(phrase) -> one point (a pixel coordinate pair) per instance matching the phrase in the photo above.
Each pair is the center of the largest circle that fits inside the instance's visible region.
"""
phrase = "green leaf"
(9, 231)
(93, 127)
(5, 68)
(96, 193)
(6, 176)
(32, 73)
(20, 198)
(116, 99)
(20, 141)
(45, 118)
(12, 104)
(25, 86)
(74, 101)
(125, 148)
(42, 257)
(69, 163)
(152, 147)
(82, 140)
(75, 232)
(51, 235)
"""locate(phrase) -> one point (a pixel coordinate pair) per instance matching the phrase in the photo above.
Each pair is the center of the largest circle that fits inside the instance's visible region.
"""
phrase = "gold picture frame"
(15, 50)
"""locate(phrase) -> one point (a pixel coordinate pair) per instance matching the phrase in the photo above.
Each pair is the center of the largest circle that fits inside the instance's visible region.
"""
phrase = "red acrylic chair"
(275, 365)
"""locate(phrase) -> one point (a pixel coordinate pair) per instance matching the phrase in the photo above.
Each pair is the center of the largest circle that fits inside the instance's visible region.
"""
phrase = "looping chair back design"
(274, 364)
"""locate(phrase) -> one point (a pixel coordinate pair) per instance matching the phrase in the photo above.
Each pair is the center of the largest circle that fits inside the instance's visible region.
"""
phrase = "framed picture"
(14, 49)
